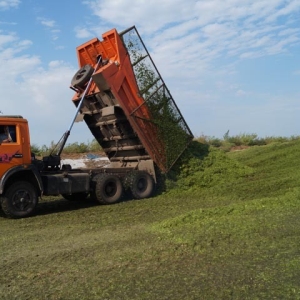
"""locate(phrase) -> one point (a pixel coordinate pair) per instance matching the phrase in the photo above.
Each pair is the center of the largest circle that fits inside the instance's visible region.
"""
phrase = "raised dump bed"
(128, 107)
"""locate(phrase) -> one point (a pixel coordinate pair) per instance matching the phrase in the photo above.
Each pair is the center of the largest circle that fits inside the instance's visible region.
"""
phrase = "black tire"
(76, 196)
(20, 200)
(107, 189)
(1, 211)
(141, 184)
(82, 76)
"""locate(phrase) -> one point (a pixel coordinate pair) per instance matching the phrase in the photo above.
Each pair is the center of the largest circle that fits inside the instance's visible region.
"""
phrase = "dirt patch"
(81, 155)
(239, 148)
(94, 163)
(85, 160)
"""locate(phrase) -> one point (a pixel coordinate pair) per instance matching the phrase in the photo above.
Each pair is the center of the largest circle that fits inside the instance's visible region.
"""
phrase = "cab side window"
(7, 133)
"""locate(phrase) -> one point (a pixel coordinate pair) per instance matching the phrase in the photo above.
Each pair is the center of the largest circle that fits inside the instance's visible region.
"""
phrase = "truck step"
(111, 122)
(126, 158)
(122, 148)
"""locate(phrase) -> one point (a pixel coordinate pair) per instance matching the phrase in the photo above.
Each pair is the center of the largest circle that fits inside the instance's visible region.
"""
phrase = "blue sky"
(229, 64)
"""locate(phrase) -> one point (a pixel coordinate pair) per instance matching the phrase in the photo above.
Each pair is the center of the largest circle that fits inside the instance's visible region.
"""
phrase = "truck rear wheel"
(141, 184)
(20, 200)
(108, 189)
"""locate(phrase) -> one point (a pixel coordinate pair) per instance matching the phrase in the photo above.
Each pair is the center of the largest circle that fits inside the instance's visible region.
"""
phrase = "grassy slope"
(229, 229)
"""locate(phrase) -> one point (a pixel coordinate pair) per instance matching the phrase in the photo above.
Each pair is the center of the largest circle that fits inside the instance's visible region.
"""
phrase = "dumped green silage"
(235, 236)
(236, 223)
(254, 245)
(202, 167)
(247, 231)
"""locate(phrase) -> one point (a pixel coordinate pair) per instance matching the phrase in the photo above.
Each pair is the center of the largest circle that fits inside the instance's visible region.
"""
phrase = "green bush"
(40, 151)
(35, 149)
(92, 146)
(76, 148)
(244, 139)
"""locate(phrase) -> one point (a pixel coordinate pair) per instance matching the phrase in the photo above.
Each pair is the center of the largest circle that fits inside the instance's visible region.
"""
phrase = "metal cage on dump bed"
(128, 107)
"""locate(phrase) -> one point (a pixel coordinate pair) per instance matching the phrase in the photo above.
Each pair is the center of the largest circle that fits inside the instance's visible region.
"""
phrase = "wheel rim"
(21, 200)
(80, 74)
(142, 184)
(110, 189)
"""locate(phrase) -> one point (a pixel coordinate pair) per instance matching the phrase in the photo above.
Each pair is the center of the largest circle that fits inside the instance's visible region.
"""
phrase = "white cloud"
(240, 93)
(227, 27)
(6, 38)
(11, 63)
(47, 23)
(51, 26)
(44, 85)
(289, 31)
(60, 47)
(48, 100)
(7, 4)
(82, 33)
(41, 94)
(288, 8)
(124, 13)
(197, 44)
(189, 41)
(280, 46)
(8, 23)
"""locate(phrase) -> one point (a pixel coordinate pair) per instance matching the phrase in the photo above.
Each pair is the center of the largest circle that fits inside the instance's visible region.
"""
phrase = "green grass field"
(227, 227)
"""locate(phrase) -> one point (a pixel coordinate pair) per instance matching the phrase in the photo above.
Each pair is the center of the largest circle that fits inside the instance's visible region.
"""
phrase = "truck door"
(11, 146)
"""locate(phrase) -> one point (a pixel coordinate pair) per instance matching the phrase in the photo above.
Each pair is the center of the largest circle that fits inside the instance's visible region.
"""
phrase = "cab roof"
(11, 116)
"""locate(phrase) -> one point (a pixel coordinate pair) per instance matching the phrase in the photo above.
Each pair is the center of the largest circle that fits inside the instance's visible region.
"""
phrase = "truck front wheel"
(20, 200)
(108, 189)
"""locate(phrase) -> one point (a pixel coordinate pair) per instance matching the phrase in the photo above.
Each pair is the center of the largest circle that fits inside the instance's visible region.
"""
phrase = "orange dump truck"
(125, 103)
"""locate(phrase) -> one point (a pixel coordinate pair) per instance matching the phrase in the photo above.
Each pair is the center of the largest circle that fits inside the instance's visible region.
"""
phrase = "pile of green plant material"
(202, 166)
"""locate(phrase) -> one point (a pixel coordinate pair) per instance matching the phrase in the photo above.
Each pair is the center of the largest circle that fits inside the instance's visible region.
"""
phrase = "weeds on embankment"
(226, 143)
